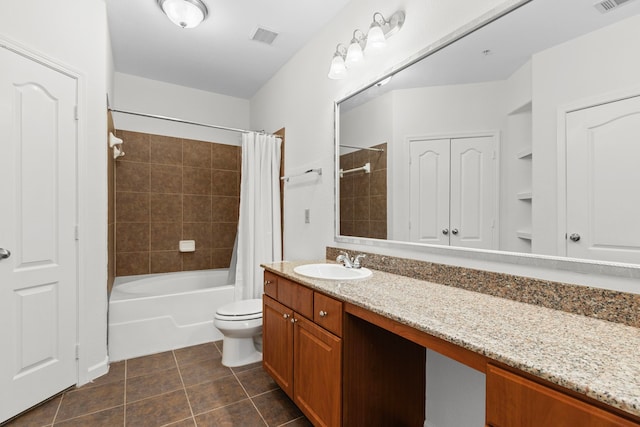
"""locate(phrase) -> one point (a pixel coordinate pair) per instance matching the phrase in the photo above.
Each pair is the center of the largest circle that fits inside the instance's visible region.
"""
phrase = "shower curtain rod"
(189, 122)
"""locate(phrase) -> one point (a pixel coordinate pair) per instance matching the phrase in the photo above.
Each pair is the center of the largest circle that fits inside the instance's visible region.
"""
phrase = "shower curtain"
(259, 232)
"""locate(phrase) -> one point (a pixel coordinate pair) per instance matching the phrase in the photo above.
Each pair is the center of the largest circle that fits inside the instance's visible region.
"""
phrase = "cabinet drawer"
(296, 297)
(327, 312)
(271, 284)
(513, 400)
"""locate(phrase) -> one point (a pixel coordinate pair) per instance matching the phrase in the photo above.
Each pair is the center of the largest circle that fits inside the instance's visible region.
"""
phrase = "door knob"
(454, 231)
(574, 237)
(4, 253)
(445, 231)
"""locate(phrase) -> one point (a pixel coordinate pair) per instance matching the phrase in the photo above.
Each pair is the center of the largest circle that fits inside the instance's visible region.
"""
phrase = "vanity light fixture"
(184, 13)
(354, 52)
(381, 29)
(375, 39)
(338, 68)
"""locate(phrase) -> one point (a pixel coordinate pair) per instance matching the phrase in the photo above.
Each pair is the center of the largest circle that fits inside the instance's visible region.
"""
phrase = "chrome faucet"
(345, 259)
(356, 261)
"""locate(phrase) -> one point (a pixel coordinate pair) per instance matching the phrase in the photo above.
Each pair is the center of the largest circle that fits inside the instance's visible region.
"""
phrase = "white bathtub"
(159, 312)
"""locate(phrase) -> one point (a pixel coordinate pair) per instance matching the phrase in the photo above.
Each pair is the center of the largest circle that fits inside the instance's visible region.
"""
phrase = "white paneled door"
(603, 182)
(429, 191)
(453, 187)
(38, 269)
(473, 192)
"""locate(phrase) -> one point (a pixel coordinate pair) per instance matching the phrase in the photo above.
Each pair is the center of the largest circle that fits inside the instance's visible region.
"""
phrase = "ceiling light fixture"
(375, 39)
(184, 13)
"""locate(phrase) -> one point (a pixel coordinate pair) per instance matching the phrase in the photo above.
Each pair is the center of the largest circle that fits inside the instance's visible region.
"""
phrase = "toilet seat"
(249, 309)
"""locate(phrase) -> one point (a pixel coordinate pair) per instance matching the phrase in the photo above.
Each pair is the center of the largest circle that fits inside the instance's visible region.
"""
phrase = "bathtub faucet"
(345, 259)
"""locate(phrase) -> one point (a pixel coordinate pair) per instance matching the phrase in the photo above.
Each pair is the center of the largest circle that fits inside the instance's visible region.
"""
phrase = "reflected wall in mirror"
(521, 136)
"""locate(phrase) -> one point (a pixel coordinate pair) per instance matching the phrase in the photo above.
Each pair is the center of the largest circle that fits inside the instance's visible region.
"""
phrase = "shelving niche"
(519, 124)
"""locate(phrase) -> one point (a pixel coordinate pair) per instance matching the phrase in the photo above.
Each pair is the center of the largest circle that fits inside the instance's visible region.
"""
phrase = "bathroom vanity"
(303, 351)
(353, 352)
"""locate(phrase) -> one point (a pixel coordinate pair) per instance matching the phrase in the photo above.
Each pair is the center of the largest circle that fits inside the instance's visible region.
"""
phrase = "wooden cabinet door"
(317, 371)
(277, 343)
(513, 400)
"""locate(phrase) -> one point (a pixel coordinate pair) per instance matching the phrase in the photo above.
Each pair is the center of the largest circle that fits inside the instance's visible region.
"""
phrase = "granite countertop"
(593, 357)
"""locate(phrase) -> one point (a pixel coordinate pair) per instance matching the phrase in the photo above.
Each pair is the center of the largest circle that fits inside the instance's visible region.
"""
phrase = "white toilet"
(240, 322)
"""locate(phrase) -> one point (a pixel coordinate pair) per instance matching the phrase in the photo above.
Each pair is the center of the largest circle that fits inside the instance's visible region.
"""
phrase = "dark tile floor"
(180, 388)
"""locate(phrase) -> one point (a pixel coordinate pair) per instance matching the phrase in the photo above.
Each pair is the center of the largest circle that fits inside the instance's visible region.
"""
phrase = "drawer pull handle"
(285, 315)
(323, 313)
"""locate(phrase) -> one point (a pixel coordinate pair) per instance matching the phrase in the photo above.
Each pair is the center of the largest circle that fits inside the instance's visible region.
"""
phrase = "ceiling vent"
(605, 6)
(267, 36)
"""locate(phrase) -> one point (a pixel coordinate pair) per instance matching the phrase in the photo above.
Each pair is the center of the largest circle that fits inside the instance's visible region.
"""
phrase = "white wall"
(138, 94)
(455, 393)
(74, 33)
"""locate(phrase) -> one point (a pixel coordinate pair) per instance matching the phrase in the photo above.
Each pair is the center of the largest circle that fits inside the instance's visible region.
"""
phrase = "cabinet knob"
(445, 231)
(268, 282)
(323, 313)
(285, 315)
(454, 231)
(574, 237)
(294, 320)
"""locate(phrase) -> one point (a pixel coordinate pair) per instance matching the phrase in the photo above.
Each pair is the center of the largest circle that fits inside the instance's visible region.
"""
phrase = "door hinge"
(76, 233)
(77, 351)
(75, 113)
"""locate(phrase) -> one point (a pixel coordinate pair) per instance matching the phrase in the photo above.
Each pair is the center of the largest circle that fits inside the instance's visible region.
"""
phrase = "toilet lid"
(249, 308)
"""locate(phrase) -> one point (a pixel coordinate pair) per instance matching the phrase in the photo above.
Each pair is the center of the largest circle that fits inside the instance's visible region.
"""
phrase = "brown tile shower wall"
(363, 196)
(171, 189)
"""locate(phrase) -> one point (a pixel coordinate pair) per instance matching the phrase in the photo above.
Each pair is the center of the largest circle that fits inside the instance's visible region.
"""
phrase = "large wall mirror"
(523, 135)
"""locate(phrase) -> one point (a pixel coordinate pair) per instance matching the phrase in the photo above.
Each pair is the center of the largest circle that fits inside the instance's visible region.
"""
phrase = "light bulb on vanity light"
(354, 52)
(381, 29)
(338, 69)
(375, 37)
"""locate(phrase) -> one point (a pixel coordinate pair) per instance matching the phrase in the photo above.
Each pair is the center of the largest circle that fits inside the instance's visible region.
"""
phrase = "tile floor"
(184, 387)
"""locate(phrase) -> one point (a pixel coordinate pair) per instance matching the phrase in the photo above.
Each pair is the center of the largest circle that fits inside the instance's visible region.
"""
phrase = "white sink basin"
(332, 272)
